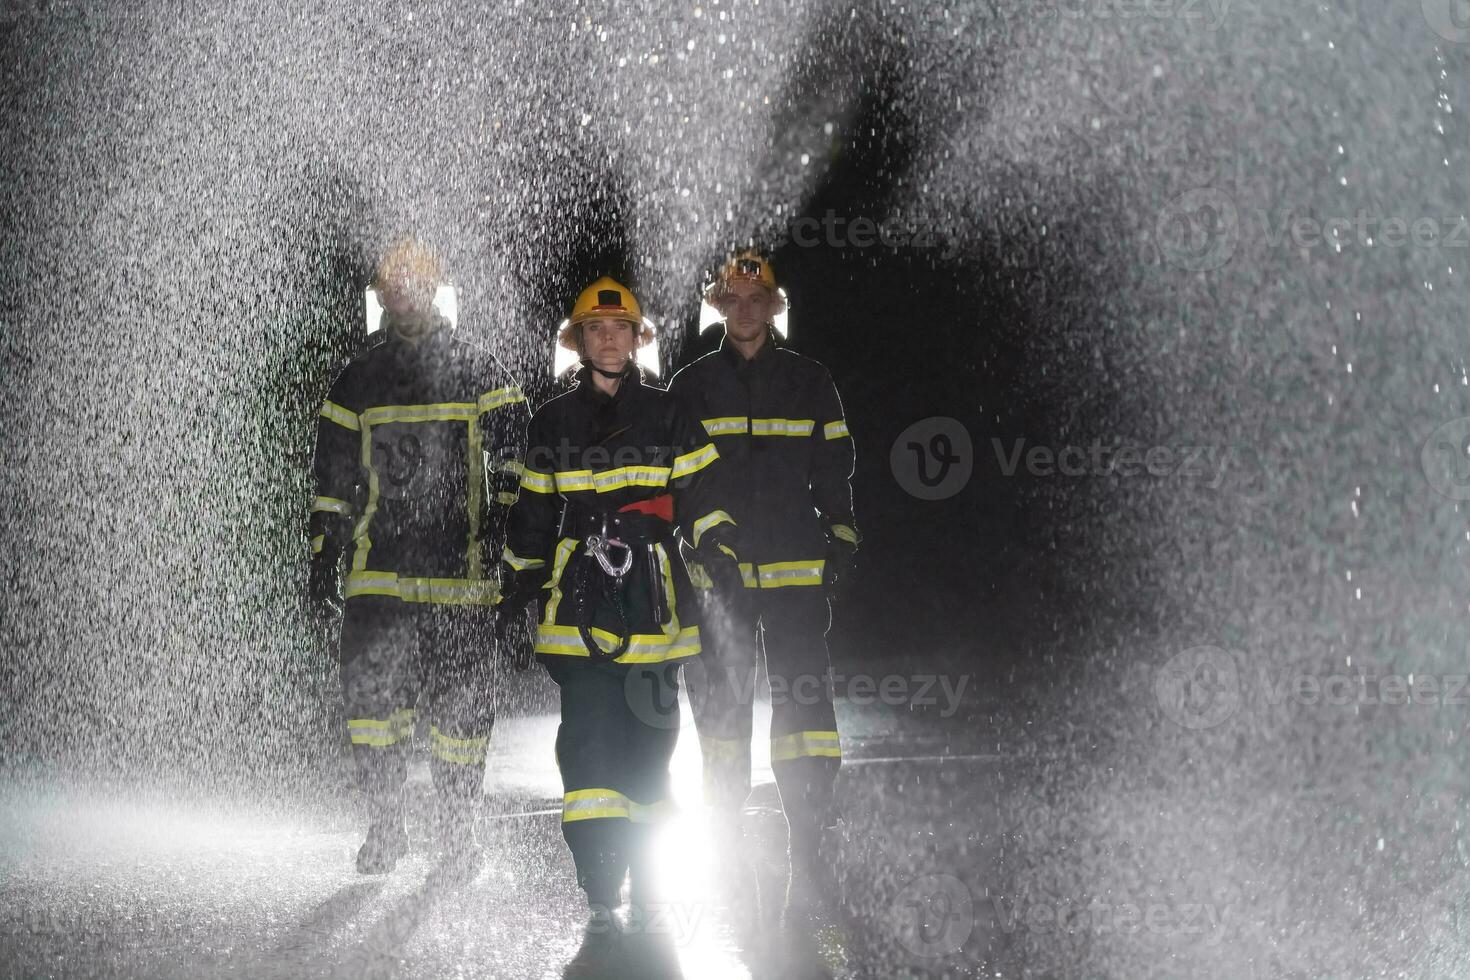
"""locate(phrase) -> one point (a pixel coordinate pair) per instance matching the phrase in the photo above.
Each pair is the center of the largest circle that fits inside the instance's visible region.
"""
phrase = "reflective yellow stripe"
(594, 804)
(698, 577)
(499, 397)
(726, 426)
(570, 481)
(443, 591)
(802, 745)
(713, 519)
(643, 648)
(835, 430)
(691, 463)
(510, 466)
(336, 413)
(330, 505)
(537, 482)
(506, 497)
(474, 492)
(845, 533)
(564, 549)
(381, 732)
(782, 427)
(782, 573)
(460, 751)
(517, 562)
(317, 542)
(362, 541)
(438, 412)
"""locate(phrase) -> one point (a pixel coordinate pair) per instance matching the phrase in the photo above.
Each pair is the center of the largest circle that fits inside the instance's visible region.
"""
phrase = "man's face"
(403, 295)
(608, 343)
(747, 308)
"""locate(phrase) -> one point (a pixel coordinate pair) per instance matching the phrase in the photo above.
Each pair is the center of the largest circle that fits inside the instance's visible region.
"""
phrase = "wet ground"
(97, 887)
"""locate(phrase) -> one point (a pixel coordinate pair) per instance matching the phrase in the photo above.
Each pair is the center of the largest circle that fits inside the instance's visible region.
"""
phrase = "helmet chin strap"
(608, 374)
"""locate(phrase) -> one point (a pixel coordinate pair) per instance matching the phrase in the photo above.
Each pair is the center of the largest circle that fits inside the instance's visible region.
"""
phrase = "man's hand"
(842, 544)
(722, 566)
(513, 640)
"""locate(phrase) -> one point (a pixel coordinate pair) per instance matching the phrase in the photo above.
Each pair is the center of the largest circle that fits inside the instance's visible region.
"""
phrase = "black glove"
(841, 559)
(324, 605)
(718, 558)
(512, 637)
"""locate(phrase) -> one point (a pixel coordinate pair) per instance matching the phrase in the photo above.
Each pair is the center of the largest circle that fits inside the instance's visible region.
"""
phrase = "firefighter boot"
(387, 840)
(460, 854)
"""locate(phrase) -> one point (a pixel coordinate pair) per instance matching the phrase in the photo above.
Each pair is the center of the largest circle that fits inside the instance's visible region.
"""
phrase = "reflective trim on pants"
(460, 751)
(801, 745)
(596, 804)
(382, 732)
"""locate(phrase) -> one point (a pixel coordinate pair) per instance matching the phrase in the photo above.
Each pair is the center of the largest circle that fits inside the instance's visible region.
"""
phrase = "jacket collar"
(632, 378)
(762, 357)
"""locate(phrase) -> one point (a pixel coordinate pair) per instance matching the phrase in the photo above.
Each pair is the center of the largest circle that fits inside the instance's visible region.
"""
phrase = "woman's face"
(608, 343)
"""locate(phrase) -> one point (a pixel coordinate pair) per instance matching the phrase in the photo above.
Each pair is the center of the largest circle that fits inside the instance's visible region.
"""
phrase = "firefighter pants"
(619, 724)
(790, 626)
(397, 655)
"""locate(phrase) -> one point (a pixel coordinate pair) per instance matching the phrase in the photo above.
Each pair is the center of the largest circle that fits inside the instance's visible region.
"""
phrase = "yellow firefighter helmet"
(409, 264)
(604, 298)
(746, 266)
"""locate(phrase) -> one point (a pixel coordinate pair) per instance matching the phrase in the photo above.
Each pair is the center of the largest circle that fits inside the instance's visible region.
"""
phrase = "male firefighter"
(416, 468)
(613, 468)
(787, 458)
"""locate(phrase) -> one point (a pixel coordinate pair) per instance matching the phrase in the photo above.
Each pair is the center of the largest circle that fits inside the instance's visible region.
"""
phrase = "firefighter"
(613, 469)
(777, 421)
(416, 468)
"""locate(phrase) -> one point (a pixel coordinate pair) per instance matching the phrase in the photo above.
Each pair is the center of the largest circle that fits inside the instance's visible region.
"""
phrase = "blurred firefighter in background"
(416, 468)
(613, 468)
(786, 461)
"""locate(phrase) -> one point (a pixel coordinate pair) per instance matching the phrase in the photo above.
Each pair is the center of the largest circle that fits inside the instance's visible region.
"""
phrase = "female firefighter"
(614, 469)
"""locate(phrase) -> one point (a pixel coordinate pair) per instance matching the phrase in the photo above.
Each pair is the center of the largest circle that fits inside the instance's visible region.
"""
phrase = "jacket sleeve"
(832, 463)
(501, 434)
(336, 471)
(696, 479)
(531, 525)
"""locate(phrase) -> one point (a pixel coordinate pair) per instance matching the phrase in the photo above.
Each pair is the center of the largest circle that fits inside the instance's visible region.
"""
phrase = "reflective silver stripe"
(791, 573)
(499, 397)
(461, 751)
(442, 412)
(708, 521)
(594, 804)
(726, 426)
(835, 430)
(642, 647)
(330, 505)
(446, 591)
(782, 427)
(694, 462)
(537, 482)
(570, 481)
(336, 413)
(517, 562)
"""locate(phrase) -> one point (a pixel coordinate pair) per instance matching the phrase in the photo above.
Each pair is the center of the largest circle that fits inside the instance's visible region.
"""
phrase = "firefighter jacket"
(786, 458)
(631, 467)
(416, 467)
